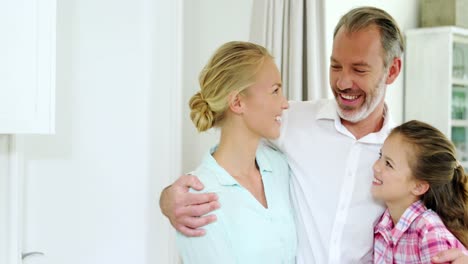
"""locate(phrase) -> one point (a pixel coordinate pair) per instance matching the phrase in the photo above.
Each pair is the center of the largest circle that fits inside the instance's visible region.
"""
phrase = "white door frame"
(167, 40)
(11, 182)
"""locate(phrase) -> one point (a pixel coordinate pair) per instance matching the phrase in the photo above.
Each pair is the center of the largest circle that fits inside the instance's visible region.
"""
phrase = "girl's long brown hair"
(435, 162)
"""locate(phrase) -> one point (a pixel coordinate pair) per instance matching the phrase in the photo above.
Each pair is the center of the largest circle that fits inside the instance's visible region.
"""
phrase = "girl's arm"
(441, 246)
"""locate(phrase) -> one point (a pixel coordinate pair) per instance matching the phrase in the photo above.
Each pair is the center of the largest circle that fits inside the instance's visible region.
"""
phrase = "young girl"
(420, 180)
(241, 94)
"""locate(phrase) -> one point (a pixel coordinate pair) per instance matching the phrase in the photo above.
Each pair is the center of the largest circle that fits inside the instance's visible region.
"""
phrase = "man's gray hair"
(390, 35)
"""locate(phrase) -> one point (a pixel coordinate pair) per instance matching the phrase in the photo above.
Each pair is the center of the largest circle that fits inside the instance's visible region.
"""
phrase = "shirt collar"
(329, 111)
(224, 178)
(393, 233)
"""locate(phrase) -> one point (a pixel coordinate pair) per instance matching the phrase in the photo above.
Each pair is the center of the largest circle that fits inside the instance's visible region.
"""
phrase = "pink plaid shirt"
(419, 235)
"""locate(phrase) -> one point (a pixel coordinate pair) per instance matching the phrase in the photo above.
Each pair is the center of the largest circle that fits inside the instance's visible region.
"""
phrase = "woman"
(241, 94)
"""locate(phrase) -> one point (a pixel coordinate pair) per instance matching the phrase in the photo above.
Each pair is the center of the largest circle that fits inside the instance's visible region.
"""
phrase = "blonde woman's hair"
(231, 70)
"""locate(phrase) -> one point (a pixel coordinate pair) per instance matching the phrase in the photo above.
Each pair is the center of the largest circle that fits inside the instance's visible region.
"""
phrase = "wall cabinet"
(27, 67)
(436, 82)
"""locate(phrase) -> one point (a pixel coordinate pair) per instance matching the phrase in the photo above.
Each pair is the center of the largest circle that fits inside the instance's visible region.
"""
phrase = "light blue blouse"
(245, 232)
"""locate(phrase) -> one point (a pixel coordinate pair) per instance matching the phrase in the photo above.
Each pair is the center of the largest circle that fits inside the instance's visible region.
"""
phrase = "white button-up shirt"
(331, 182)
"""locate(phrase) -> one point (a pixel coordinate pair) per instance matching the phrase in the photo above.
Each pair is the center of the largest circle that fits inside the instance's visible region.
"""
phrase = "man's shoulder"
(312, 105)
(300, 111)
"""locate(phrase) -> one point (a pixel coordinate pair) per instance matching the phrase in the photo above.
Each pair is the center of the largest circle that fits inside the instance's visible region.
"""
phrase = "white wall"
(207, 25)
(406, 13)
(92, 188)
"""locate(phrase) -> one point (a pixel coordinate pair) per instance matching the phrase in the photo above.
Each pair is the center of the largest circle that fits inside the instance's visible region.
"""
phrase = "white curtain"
(293, 31)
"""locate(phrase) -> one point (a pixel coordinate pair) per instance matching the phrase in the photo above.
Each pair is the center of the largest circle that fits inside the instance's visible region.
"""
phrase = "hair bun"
(201, 114)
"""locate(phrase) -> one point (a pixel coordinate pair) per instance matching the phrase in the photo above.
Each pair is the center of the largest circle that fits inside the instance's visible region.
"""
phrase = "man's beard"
(369, 106)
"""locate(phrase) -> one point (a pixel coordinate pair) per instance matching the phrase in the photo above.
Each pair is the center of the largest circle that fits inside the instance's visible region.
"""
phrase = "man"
(331, 146)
